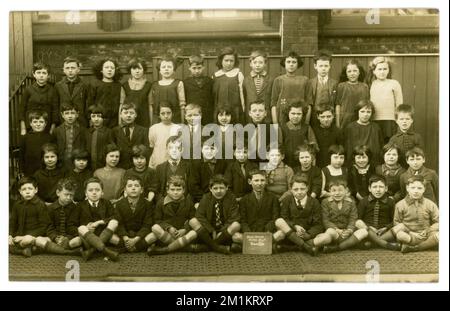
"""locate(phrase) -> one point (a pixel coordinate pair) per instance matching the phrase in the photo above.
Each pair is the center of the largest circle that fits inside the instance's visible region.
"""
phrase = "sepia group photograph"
(226, 145)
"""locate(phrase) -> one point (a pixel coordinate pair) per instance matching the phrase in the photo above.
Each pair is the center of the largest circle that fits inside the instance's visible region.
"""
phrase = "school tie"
(71, 86)
(127, 132)
(376, 213)
(243, 169)
(62, 221)
(132, 207)
(218, 218)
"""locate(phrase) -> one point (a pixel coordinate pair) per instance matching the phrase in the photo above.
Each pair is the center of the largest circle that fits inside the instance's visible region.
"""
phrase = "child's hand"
(151, 195)
(346, 233)
(10, 240)
(305, 236)
(17, 239)
(91, 226)
(300, 230)
(23, 132)
(382, 231)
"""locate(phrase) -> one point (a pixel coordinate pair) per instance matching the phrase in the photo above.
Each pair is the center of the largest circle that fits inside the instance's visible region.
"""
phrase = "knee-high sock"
(378, 240)
(349, 242)
(223, 238)
(182, 241)
(164, 237)
(203, 234)
(106, 235)
(428, 243)
(141, 245)
(94, 241)
(54, 248)
(293, 237)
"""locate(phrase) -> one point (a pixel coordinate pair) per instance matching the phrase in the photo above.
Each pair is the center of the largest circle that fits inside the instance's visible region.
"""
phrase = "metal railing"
(15, 100)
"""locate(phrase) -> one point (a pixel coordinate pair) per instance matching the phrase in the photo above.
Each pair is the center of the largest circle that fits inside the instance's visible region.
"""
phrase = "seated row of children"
(297, 222)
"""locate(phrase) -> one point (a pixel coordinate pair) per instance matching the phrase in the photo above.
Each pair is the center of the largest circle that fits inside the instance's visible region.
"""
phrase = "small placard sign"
(257, 243)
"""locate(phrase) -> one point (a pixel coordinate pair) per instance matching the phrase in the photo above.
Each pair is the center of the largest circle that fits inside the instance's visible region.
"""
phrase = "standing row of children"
(232, 98)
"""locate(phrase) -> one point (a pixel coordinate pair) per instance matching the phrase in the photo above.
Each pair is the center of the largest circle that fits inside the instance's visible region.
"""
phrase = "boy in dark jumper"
(174, 166)
(70, 135)
(202, 170)
(237, 173)
(128, 134)
(135, 216)
(327, 134)
(73, 90)
(32, 142)
(198, 89)
(28, 219)
(259, 211)
(40, 96)
(97, 221)
(172, 215)
(62, 235)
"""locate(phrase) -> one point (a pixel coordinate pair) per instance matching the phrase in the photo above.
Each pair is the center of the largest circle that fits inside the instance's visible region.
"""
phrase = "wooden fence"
(418, 75)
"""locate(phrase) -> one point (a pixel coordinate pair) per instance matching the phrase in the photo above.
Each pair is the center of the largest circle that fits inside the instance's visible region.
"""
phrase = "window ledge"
(156, 30)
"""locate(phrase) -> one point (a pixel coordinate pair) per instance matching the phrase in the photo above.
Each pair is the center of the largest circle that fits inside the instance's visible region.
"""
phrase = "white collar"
(232, 73)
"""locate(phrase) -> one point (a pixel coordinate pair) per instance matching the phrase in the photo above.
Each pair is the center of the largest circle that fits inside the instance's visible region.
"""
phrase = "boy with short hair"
(99, 136)
(320, 90)
(128, 134)
(193, 117)
(39, 96)
(237, 173)
(279, 175)
(202, 170)
(416, 218)
(405, 137)
(376, 213)
(140, 155)
(339, 214)
(28, 218)
(135, 217)
(217, 217)
(415, 158)
(64, 217)
(198, 88)
(326, 132)
(72, 89)
(97, 221)
(262, 135)
(172, 215)
(301, 219)
(31, 143)
(295, 133)
(174, 166)
(259, 210)
(70, 135)
(257, 85)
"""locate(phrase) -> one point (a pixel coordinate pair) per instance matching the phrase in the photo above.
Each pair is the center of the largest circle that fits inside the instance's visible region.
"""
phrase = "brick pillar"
(300, 31)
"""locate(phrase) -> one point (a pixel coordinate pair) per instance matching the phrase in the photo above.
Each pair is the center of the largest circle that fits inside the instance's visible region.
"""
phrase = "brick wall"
(88, 53)
(300, 31)
(378, 45)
